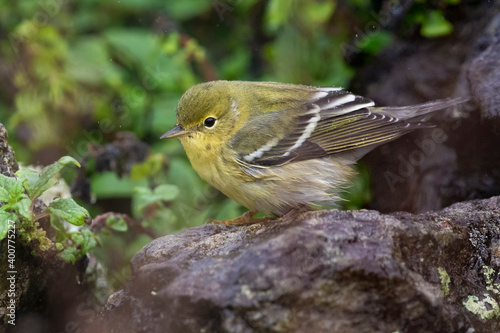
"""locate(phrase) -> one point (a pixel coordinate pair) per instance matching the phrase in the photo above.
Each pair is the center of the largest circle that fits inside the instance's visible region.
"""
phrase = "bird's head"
(207, 113)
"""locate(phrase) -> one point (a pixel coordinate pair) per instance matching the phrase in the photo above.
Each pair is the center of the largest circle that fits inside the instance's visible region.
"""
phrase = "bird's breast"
(213, 163)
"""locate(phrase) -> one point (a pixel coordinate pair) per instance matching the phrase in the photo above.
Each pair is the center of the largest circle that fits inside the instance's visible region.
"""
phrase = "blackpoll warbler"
(274, 147)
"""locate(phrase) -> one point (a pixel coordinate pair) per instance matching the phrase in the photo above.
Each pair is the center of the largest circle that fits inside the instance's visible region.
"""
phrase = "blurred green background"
(76, 73)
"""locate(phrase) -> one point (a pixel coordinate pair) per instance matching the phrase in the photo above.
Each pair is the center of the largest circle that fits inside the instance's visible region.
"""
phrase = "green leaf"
(278, 13)
(89, 62)
(140, 170)
(108, 185)
(143, 196)
(23, 207)
(70, 254)
(358, 195)
(4, 194)
(90, 241)
(182, 10)
(435, 25)
(166, 192)
(319, 12)
(85, 239)
(69, 210)
(35, 190)
(11, 189)
(229, 209)
(234, 66)
(374, 42)
(171, 44)
(7, 184)
(162, 120)
(36, 185)
(134, 44)
(18, 193)
(28, 175)
(117, 224)
(77, 238)
(5, 217)
(57, 223)
(150, 167)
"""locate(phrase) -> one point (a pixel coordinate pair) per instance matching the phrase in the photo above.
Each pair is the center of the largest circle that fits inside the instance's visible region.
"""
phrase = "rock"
(323, 271)
(8, 163)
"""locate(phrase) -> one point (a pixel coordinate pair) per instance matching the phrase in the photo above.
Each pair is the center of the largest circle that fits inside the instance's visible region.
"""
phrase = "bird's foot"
(297, 210)
(246, 218)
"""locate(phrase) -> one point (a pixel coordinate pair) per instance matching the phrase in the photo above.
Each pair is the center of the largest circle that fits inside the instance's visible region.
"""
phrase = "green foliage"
(17, 196)
(68, 210)
(37, 183)
(152, 166)
(431, 20)
(5, 217)
(375, 42)
(435, 25)
(11, 190)
(359, 194)
(144, 197)
(117, 224)
(83, 242)
(109, 185)
(151, 216)
(299, 27)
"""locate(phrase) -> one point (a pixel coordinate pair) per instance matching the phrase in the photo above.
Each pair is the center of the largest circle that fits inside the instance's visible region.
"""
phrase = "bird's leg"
(297, 210)
(246, 218)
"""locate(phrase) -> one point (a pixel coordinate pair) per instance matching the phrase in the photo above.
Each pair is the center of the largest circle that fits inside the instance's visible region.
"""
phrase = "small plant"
(17, 198)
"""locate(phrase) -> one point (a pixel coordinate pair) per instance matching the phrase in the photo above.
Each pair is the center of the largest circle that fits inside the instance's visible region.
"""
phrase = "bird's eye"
(209, 122)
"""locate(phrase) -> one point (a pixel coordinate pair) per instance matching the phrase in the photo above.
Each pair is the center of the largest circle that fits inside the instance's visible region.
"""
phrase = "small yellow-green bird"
(275, 147)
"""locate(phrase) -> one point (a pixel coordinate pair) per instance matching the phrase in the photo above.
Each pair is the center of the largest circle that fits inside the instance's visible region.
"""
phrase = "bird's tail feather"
(416, 111)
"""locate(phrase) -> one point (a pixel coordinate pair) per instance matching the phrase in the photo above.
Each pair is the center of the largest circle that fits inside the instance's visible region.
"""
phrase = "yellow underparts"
(274, 190)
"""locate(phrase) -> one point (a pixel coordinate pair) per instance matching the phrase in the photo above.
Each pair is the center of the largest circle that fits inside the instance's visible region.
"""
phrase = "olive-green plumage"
(273, 147)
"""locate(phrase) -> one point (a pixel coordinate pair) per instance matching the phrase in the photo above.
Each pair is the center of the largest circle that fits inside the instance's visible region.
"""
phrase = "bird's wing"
(332, 122)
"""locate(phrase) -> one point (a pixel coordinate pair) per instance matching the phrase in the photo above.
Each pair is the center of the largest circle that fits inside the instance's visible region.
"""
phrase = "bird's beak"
(175, 132)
